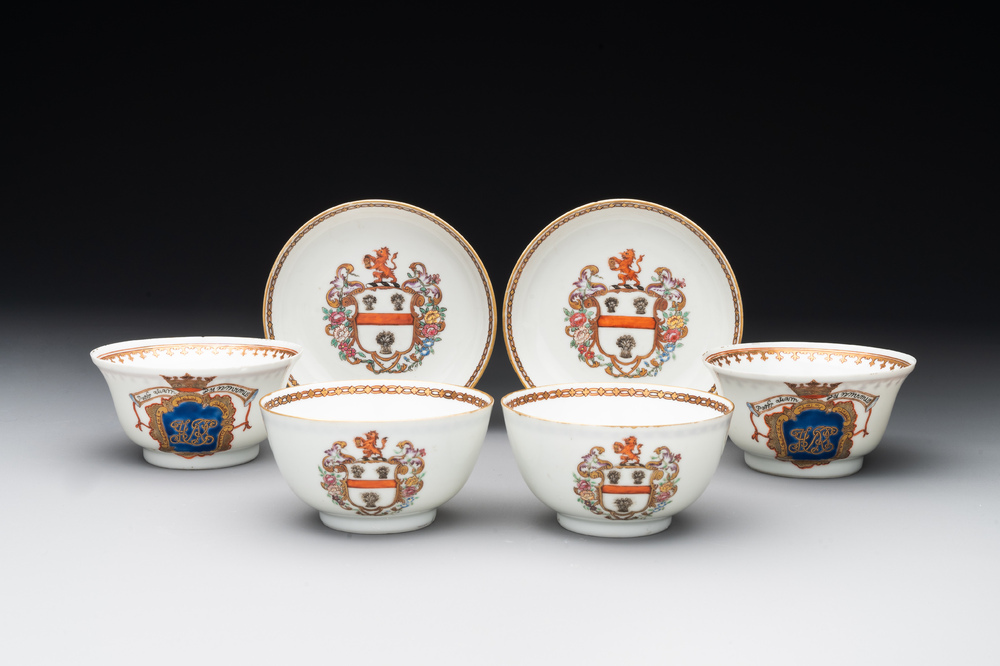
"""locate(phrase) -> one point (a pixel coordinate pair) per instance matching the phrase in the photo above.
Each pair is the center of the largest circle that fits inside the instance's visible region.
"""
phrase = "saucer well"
(620, 290)
(378, 287)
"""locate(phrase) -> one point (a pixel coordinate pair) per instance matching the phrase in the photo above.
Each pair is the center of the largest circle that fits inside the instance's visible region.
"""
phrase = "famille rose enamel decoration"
(637, 486)
(630, 328)
(379, 287)
(373, 482)
(388, 324)
(617, 290)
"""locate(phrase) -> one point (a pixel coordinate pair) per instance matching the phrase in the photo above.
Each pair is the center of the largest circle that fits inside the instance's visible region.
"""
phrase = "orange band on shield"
(363, 483)
(615, 321)
(624, 490)
(385, 319)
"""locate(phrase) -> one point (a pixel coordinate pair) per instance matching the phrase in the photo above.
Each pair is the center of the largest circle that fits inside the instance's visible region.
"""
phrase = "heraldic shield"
(815, 424)
(373, 485)
(812, 432)
(189, 417)
(385, 324)
(631, 489)
(628, 329)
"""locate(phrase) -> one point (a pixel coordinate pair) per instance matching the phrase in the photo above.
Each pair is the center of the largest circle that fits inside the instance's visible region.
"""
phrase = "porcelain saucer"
(378, 287)
(620, 290)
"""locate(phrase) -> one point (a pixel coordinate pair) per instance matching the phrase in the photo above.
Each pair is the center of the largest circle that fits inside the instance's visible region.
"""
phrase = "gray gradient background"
(154, 187)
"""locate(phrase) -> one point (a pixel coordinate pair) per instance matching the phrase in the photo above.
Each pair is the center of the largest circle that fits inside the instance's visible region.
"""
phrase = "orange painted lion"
(379, 265)
(624, 266)
(629, 451)
(369, 445)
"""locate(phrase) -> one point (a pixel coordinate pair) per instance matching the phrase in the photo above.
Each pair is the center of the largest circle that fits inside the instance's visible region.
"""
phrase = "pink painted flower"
(429, 330)
(672, 335)
(337, 317)
(350, 352)
(344, 345)
(578, 319)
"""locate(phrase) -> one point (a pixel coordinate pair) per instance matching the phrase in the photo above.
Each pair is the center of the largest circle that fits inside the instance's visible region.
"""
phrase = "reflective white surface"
(107, 556)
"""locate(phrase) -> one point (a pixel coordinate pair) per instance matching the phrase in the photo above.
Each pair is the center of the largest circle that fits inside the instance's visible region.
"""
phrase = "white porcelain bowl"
(616, 460)
(191, 403)
(379, 456)
(808, 409)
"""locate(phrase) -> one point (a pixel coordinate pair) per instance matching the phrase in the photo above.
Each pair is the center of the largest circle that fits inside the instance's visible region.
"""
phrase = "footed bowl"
(616, 460)
(191, 403)
(806, 409)
(376, 457)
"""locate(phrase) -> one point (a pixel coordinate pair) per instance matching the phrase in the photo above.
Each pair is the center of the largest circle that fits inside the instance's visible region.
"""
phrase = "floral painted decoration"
(384, 325)
(645, 324)
(373, 485)
(630, 490)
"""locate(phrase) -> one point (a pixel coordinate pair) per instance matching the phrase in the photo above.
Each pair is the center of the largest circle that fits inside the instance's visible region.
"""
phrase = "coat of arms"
(190, 416)
(629, 329)
(813, 425)
(368, 483)
(631, 489)
(385, 324)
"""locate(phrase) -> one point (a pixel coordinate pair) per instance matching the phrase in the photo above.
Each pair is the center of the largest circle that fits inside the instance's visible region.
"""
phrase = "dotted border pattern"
(614, 203)
(376, 389)
(646, 392)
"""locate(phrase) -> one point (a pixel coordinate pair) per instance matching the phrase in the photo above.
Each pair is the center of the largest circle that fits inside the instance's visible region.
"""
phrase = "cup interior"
(373, 402)
(627, 405)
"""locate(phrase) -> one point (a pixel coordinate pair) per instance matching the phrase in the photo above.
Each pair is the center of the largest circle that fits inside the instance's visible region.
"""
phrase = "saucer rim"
(317, 220)
(578, 212)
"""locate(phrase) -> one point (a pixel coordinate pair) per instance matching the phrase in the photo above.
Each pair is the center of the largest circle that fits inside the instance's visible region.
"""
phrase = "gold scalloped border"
(355, 205)
(197, 349)
(601, 205)
(377, 389)
(601, 392)
(881, 361)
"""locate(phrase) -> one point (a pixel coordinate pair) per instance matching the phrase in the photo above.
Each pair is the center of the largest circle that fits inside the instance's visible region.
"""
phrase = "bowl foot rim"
(407, 522)
(621, 529)
(214, 461)
(832, 470)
